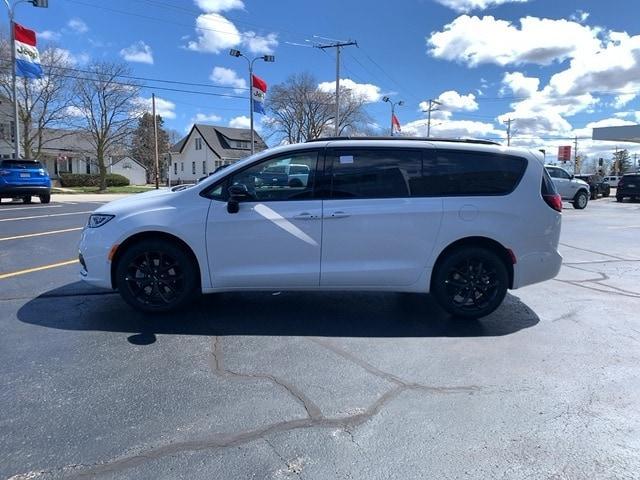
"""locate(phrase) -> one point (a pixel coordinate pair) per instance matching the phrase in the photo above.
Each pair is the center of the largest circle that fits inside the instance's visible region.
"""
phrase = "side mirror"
(571, 177)
(236, 193)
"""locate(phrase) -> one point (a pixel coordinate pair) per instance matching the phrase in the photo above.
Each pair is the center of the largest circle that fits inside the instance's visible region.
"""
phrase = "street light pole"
(250, 61)
(393, 109)
(11, 10)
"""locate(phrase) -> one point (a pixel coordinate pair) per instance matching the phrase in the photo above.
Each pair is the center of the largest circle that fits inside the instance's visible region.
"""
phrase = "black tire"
(581, 200)
(26, 199)
(466, 269)
(45, 198)
(296, 183)
(619, 199)
(607, 192)
(156, 276)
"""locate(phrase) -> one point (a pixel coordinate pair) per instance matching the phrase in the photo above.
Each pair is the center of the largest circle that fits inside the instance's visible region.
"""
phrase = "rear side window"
(21, 164)
(548, 187)
(374, 173)
(461, 173)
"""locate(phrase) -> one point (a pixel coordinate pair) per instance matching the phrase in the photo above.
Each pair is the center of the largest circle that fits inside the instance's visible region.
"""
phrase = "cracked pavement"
(332, 385)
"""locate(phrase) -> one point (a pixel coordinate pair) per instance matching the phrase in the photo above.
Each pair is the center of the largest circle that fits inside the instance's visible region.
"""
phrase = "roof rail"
(424, 139)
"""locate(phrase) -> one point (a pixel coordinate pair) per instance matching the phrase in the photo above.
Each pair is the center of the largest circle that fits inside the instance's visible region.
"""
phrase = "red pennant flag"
(395, 123)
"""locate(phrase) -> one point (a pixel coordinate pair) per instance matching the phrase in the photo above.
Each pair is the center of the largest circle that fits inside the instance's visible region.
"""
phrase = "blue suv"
(24, 179)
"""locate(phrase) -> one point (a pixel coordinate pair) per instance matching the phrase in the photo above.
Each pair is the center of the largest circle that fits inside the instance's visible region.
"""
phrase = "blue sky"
(555, 67)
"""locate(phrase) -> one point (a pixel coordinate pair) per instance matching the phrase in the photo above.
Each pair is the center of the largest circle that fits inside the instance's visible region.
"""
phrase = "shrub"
(85, 180)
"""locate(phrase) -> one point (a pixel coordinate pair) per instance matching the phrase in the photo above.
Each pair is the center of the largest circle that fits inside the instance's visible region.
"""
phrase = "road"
(319, 386)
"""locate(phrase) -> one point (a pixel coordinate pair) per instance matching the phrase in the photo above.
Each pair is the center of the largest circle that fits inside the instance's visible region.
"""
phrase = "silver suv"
(570, 189)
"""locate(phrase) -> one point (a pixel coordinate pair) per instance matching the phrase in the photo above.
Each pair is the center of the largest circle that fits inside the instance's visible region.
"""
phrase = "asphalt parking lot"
(319, 386)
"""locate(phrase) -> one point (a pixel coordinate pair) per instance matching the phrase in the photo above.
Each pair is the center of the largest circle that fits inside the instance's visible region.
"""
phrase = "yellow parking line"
(29, 235)
(37, 269)
(44, 216)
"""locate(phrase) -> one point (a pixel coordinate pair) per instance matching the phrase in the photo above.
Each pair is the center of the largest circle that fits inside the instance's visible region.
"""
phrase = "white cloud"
(452, 129)
(476, 41)
(228, 77)
(138, 52)
(164, 108)
(464, 6)
(73, 111)
(48, 35)
(621, 100)
(452, 101)
(219, 5)
(367, 91)
(206, 118)
(215, 34)
(260, 45)
(520, 85)
(579, 16)
(78, 25)
(241, 122)
(73, 58)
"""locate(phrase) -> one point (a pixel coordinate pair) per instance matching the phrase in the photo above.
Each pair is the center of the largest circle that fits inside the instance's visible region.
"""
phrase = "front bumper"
(95, 267)
(8, 190)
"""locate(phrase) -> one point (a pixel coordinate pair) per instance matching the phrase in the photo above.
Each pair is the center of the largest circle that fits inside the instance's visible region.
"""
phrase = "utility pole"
(508, 132)
(155, 139)
(430, 109)
(337, 46)
(575, 155)
(16, 118)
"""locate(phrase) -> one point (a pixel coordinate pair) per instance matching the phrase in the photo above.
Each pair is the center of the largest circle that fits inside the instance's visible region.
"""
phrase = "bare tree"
(42, 103)
(299, 111)
(107, 109)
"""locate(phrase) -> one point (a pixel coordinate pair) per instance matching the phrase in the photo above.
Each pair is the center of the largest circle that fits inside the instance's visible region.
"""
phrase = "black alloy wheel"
(471, 282)
(156, 276)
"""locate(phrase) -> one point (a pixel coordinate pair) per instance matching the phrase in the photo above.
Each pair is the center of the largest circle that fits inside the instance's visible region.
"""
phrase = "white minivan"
(465, 220)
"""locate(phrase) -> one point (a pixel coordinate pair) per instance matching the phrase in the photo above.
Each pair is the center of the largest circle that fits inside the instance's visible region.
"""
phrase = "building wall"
(126, 167)
(204, 160)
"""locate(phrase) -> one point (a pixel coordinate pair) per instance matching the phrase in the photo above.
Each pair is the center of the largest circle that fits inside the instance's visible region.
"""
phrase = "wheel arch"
(580, 190)
(152, 235)
(503, 253)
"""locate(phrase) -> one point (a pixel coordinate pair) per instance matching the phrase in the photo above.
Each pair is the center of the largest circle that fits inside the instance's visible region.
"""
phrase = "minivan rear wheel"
(470, 282)
(156, 276)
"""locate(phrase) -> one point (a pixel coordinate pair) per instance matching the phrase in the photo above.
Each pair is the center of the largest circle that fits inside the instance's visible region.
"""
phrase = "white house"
(207, 147)
(130, 168)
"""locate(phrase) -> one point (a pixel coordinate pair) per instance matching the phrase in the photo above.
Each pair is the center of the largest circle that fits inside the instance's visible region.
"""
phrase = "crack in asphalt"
(315, 419)
(598, 253)
(313, 411)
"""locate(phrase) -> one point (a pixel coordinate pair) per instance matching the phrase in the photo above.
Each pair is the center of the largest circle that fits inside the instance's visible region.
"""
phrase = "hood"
(580, 181)
(139, 200)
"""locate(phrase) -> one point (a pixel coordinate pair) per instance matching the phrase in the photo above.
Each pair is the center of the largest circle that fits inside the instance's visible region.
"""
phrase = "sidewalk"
(88, 197)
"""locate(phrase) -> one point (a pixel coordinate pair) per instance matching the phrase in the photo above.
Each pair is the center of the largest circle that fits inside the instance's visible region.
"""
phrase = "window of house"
(87, 165)
(204, 167)
(198, 144)
(175, 168)
(182, 166)
(193, 168)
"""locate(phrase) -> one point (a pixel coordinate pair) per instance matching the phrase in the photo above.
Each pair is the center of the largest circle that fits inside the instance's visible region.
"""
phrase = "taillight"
(554, 201)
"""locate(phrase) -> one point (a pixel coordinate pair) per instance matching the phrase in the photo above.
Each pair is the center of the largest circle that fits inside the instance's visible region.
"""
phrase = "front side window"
(268, 180)
(374, 173)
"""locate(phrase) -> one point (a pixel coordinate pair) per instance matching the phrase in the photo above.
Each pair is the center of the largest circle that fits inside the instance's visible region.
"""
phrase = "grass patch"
(127, 189)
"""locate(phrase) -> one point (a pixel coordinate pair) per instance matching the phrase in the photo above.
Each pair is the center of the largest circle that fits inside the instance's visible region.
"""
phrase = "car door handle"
(338, 214)
(306, 216)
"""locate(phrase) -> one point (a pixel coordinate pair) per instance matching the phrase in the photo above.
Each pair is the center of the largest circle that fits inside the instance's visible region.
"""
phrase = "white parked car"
(570, 188)
(464, 220)
(613, 180)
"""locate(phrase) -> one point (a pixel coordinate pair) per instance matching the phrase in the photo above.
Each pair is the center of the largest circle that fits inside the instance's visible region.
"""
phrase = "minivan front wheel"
(470, 282)
(581, 199)
(156, 276)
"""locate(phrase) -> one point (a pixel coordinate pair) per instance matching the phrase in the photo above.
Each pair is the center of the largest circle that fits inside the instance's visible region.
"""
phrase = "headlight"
(97, 220)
